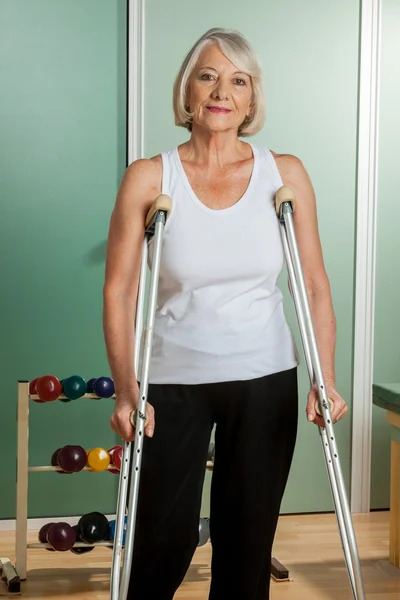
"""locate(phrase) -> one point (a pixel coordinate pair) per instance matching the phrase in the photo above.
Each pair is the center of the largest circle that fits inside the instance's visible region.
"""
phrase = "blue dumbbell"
(112, 530)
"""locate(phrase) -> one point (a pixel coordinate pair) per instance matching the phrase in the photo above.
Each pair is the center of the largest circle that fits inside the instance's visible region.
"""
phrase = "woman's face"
(218, 94)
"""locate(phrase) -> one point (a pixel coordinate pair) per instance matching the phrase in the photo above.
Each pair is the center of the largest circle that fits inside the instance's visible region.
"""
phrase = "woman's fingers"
(310, 410)
(149, 429)
(312, 415)
(342, 412)
(121, 424)
(340, 407)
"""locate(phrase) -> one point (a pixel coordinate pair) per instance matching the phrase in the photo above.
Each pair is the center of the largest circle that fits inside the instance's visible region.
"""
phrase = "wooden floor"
(309, 546)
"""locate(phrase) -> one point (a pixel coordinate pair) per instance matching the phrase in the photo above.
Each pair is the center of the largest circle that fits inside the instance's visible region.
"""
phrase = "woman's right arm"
(139, 188)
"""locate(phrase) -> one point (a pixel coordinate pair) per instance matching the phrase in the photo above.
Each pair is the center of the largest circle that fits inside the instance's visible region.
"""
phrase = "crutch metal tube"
(140, 304)
(141, 412)
(337, 483)
(154, 226)
(339, 514)
(120, 520)
(324, 440)
(297, 305)
(127, 446)
(285, 199)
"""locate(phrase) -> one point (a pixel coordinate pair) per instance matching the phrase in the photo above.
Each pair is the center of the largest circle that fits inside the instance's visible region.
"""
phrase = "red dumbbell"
(72, 459)
(116, 458)
(48, 388)
(33, 391)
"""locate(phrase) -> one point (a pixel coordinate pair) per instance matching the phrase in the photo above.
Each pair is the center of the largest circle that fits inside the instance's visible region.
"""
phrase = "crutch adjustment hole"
(137, 469)
(138, 450)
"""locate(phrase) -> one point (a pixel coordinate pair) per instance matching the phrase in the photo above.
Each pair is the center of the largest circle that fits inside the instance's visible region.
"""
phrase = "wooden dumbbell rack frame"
(279, 572)
(23, 470)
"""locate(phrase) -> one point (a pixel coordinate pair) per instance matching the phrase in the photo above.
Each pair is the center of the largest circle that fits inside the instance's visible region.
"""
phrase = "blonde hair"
(238, 50)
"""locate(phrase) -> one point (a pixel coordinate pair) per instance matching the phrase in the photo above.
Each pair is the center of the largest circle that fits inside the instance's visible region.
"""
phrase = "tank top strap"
(166, 173)
(272, 167)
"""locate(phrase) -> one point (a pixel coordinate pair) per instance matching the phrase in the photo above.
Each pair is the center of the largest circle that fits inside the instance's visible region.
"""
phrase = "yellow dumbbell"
(98, 459)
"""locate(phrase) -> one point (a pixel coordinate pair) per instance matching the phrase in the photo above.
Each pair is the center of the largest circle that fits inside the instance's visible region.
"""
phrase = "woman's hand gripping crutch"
(141, 420)
(285, 207)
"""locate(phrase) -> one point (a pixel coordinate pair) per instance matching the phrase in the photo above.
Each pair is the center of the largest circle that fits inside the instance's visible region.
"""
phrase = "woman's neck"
(214, 148)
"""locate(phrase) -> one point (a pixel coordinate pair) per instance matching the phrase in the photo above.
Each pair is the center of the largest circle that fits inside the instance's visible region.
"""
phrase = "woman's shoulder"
(291, 167)
(287, 161)
(141, 182)
(145, 167)
(145, 173)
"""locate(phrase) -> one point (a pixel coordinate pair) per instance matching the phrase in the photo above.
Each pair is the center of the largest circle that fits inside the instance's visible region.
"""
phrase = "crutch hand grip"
(162, 202)
(332, 406)
(133, 418)
(284, 194)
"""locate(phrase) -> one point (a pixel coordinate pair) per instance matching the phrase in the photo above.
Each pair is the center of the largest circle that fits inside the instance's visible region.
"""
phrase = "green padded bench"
(387, 396)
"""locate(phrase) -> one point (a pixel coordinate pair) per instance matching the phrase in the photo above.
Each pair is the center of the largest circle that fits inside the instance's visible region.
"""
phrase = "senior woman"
(223, 353)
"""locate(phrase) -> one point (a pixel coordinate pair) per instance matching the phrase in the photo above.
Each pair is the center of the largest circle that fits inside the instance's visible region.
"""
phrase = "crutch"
(285, 207)
(132, 457)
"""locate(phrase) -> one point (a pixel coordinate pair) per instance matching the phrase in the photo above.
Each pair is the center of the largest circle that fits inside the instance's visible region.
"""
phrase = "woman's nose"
(220, 91)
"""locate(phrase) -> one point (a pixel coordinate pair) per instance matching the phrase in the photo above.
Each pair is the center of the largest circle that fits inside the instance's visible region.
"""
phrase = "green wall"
(387, 319)
(63, 152)
(309, 51)
(63, 141)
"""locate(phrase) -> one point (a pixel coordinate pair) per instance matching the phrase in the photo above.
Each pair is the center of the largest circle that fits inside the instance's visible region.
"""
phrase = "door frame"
(366, 219)
(136, 82)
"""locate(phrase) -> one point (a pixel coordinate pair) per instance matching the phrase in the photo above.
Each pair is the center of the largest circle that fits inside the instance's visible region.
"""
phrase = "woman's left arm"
(316, 279)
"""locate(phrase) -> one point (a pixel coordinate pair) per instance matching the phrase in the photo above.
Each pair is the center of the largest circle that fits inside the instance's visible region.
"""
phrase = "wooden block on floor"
(278, 571)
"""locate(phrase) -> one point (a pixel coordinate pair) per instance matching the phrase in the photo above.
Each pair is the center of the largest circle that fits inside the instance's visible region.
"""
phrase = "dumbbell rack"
(13, 575)
(23, 470)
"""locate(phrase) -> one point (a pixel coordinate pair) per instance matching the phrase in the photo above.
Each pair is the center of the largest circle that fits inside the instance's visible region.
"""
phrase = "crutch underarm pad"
(284, 194)
(163, 202)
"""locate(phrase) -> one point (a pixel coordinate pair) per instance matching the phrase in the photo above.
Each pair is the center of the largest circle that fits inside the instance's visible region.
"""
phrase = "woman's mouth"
(218, 110)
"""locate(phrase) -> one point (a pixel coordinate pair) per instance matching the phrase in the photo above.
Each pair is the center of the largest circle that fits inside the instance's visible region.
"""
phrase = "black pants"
(256, 428)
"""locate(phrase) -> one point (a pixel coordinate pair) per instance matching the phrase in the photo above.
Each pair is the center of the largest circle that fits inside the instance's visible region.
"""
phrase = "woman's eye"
(206, 76)
(240, 81)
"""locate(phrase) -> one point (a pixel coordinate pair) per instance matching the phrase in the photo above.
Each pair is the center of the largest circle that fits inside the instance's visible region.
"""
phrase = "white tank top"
(220, 313)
